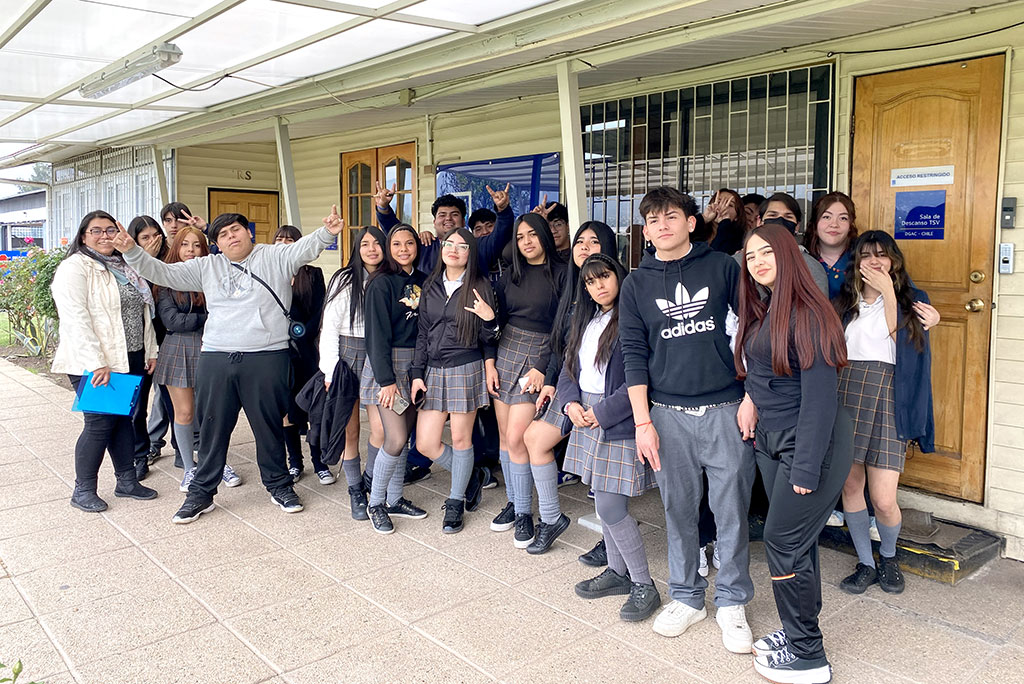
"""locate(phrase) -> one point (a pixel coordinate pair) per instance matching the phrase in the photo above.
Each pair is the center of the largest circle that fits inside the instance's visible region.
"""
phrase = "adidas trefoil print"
(684, 309)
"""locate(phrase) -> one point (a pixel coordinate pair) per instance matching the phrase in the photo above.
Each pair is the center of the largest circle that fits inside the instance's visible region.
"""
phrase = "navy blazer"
(912, 386)
(614, 413)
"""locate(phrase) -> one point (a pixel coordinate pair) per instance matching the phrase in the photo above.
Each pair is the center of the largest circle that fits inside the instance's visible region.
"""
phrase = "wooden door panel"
(943, 115)
(358, 184)
(261, 208)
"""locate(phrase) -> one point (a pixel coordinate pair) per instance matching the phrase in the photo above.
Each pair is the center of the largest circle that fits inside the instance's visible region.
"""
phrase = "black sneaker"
(524, 531)
(357, 498)
(776, 641)
(287, 499)
(381, 520)
(783, 667)
(153, 455)
(192, 509)
(177, 461)
(506, 520)
(491, 482)
(608, 583)
(403, 508)
(643, 600)
(596, 557)
(890, 578)
(453, 510)
(862, 578)
(416, 473)
(474, 490)
(547, 534)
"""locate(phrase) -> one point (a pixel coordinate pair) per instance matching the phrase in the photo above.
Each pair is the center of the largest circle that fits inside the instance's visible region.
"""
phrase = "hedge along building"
(802, 96)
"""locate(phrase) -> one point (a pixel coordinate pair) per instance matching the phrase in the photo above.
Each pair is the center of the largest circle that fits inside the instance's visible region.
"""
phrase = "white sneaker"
(837, 519)
(676, 618)
(230, 477)
(715, 560)
(190, 475)
(873, 530)
(736, 635)
(325, 477)
(703, 556)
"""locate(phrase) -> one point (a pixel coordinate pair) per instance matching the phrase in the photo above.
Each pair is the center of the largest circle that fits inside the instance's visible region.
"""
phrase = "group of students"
(719, 356)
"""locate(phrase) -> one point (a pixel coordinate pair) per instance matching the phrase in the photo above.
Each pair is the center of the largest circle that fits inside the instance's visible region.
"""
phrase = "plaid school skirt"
(866, 390)
(352, 350)
(401, 359)
(518, 351)
(606, 465)
(552, 416)
(178, 359)
(458, 389)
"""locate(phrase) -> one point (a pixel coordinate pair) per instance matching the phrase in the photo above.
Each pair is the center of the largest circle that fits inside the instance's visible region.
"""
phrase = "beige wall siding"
(230, 167)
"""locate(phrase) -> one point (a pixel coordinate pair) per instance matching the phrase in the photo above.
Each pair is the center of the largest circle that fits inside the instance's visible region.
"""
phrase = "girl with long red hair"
(789, 349)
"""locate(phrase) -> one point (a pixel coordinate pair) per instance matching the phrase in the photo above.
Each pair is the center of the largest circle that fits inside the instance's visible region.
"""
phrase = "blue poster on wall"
(530, 178)
(920, 215)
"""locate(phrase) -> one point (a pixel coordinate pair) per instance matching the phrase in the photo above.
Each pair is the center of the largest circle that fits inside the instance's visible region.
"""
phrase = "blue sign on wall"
(920, 215)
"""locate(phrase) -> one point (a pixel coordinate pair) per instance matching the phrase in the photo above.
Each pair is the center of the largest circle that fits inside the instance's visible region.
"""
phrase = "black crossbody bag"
(296, 329)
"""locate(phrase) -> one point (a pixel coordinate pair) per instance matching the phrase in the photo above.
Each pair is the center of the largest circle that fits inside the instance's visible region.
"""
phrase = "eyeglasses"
(96, 232)
(461, 246)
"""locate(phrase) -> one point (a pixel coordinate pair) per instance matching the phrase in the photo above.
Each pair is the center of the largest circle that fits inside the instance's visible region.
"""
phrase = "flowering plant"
(25, 297)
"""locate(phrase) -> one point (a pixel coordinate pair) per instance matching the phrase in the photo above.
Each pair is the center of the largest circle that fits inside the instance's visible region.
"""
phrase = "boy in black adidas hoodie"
(686, 402)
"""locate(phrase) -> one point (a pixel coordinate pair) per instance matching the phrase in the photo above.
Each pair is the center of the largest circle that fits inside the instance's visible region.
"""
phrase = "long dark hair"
(389, 265)
(609, 246)
(794, 296)
(811, 240)
(78, 244)
(352, 274)
(467, 323)
(847, 302)
(140, 223)
(587, 309)
(308, 288)
(547, 243)
(173, 256)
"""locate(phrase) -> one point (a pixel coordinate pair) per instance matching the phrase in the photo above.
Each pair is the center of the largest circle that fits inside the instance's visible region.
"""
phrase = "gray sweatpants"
(712, 443)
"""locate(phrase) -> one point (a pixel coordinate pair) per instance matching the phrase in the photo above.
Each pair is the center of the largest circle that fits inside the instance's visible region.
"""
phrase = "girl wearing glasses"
(457, 323)
(106, 326)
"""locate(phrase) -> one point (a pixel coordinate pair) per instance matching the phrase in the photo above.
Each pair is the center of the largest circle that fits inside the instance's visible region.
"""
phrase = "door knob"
(975, 305)
(977, 276)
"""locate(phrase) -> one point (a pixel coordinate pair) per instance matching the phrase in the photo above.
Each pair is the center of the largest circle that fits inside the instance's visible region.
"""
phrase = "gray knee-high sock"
(506, 473)
(522, 487)
(615, 560)
(858, 523)
(462, 470)
(184, 435)
(353, 474)
(889, 534)
(545, 477)
(371, 457)
(630, 545)
(445, 459)
(383, 470)
(397, 482)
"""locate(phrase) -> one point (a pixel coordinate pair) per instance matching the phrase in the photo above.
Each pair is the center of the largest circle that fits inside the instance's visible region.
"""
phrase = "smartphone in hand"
(400, 404)
(543, 407)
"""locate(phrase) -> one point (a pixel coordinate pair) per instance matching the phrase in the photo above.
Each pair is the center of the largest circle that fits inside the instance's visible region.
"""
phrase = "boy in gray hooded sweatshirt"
(244, 362)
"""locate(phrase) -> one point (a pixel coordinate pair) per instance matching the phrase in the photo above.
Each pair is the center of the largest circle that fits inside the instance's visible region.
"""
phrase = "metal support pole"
(572, 144)
(284, 163)
(161, 176)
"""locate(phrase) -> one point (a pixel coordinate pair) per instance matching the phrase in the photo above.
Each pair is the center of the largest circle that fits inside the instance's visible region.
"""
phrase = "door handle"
(975, 305)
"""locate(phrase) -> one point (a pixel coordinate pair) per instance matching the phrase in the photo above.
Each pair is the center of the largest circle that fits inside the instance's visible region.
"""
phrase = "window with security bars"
(764, 133)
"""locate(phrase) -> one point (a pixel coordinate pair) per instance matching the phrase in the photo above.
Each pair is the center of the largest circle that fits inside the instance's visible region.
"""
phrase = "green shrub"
(25, 296)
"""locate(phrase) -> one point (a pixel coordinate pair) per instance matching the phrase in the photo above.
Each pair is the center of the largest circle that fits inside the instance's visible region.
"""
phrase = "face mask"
(785, 223)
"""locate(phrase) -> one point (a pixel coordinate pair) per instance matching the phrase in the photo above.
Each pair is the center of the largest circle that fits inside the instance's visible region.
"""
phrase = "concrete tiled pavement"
(249, 594)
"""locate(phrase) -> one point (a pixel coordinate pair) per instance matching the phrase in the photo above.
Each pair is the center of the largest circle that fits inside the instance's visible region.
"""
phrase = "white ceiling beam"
(361, 11)
(23, 99)
(215, 11)
(21, 22)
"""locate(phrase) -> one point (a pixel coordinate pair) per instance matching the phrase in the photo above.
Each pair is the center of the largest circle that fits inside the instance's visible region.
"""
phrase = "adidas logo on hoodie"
(684, 309)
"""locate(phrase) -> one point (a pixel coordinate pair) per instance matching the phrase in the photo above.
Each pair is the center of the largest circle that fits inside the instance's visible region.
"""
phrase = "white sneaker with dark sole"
(187, 514)
(676, 618)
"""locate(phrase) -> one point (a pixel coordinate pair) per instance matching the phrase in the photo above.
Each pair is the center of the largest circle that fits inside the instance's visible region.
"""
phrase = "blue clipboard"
(119, 397)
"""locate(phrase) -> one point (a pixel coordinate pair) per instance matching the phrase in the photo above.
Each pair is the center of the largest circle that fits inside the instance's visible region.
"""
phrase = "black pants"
(226, 383)
(106, 433)
(793, 525)
(293, 441)
(141, 420)
(707, 532)
(485, 439)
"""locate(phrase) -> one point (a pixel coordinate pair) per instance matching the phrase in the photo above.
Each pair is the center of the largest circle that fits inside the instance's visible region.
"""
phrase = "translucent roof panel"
(228, 89)
(372, 39)
(470, 12)
(36, 75)
(122, 123)
(47, 120)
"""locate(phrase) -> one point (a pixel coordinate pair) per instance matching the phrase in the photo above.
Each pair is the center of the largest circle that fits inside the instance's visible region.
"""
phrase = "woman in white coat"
(106, 326)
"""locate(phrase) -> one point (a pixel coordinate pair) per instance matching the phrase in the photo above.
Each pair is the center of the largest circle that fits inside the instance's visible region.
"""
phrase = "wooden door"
(360, 171)
(261, 208)
(934, 118)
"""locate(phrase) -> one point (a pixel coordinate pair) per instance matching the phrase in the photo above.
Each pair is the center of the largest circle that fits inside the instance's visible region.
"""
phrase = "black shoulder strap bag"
(296, 329)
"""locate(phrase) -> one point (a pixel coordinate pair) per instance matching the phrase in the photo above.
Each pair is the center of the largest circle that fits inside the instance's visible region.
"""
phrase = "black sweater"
(179, 317)
(437, 342)
(672, 326)
(532, 303)
(392, 314)
(806, 400)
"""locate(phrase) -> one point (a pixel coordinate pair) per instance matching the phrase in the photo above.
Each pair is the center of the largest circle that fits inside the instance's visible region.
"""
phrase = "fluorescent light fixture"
(159, 57)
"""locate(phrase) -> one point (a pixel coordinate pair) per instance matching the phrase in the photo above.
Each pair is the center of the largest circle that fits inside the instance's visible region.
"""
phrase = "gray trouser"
(711, 443)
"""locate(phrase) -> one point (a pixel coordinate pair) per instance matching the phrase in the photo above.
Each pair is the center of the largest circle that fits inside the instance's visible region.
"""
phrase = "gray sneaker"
(230, 477)
(608, 583)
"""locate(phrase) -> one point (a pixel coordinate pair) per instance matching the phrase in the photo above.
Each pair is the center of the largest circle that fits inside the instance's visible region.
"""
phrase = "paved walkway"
(249, 594)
